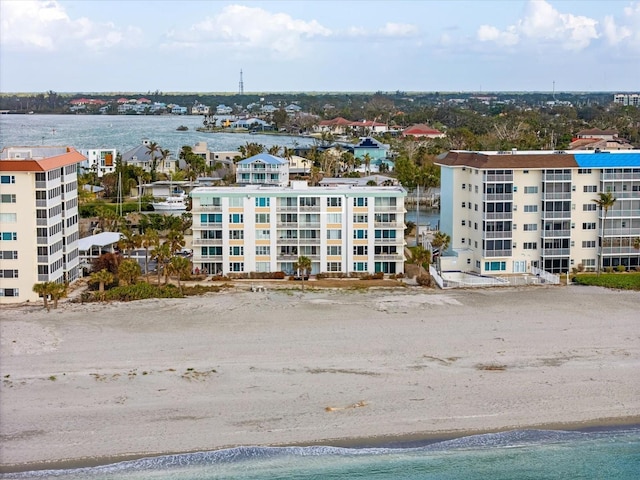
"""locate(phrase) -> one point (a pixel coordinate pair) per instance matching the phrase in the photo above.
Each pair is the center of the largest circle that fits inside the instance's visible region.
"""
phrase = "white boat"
(173, 203)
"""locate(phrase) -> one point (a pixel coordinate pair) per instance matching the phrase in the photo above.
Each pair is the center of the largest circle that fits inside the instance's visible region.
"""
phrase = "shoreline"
(408, 440)
(92, 384)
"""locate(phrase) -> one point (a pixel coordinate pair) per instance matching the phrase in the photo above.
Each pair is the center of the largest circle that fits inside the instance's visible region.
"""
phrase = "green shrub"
(141, 291)
(630, 281)
(621, 268)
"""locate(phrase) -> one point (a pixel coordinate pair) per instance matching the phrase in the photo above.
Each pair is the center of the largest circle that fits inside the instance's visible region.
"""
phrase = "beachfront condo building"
(509, 211)
(99, 161)
(260, 228)
(38, 219)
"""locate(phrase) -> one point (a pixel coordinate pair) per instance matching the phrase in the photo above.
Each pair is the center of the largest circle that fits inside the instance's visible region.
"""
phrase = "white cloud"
(542, 23)
(624, 31)
(250, 29)
(44, 25)
(398, 30)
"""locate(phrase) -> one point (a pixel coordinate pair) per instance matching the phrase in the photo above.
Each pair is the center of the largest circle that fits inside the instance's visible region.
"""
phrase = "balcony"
(207, 241)
(565, 214)
(388, 240)
(216, 258)
(207, 208)
(43, 259)
(43, 277)
(389, 224)
(556, 233)
(498, 215)
(287, 241)
(628, 250)
(506, 177)
(620, 176)
(503, 234)
(41, 184)
(556, 196)
(623, 232)
(42, 222)
(286, 208)
(397, 257)
(497, 197)
(42, 240)
(496, 253)
(309, 241)
(555, 252)
(557, 177)
(387, 208)
(621, 214)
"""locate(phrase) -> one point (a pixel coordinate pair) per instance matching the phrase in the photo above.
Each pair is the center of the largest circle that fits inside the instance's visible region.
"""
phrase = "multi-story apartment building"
(38, 219)
(509, 211)
(258, 228)
(99, 160)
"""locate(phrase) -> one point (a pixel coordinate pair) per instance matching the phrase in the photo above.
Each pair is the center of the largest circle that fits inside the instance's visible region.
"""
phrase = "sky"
(319, 46)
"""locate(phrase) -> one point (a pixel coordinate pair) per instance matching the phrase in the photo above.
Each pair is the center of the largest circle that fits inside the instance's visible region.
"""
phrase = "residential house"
(263, 169)
(422, 131)
(140, 156)
(98, 160)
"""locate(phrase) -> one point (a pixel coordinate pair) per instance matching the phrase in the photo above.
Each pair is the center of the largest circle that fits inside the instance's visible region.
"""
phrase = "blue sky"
(324, 45)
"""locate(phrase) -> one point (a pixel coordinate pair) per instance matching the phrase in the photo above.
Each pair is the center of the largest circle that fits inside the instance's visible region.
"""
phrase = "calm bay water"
(521, 455)
(123, 132)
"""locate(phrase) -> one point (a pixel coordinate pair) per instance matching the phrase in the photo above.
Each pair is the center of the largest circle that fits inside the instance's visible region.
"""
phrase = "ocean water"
(124, 132)
(520, 455)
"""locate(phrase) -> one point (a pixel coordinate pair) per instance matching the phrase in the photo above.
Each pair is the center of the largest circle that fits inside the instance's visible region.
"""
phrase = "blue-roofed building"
(263, 169)
(512, 212)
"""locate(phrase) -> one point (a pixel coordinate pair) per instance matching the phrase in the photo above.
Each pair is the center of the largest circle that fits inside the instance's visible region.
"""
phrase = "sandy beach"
(91, 383)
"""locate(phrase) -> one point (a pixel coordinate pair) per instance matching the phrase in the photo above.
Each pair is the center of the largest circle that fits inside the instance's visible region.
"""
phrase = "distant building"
(422, 131)
(200, 109)
(99, 160)
(141, 157)
(263, 169)
(627, 99)
(38, 219)
(596, 139)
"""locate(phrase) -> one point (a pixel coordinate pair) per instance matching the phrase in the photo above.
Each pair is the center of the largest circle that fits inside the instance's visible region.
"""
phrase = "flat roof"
(99, 240)
(265, 190)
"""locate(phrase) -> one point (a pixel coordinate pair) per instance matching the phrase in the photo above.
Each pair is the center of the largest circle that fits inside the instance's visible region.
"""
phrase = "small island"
(182, 128)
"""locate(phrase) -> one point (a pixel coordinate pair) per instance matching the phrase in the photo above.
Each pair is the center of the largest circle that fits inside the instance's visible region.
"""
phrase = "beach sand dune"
(96, 381)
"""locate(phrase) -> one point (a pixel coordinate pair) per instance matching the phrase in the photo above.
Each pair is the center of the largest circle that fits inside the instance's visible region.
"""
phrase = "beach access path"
(94, 383)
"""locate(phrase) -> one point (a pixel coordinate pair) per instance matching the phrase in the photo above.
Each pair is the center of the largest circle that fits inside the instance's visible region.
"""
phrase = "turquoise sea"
(124, 132)
(520, 455)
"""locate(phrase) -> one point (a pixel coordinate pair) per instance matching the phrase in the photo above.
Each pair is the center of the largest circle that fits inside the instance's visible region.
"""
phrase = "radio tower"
(241, 84)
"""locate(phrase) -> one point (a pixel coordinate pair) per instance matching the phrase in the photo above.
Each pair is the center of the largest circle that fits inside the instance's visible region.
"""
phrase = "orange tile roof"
(42, 164)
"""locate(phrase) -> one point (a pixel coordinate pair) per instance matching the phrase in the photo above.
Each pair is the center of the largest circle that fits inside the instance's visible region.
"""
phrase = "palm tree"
(101, 278)
(129, 271)
(44, 289)
(367, 163)
(58, 291)
(636, 243)
(420, 256)
(303, 266)
(164, 154)
(152, 149)
(175, 238)
(441, 242)
(605, 201)
(129, 241)
(162, 254)
(179, 266)
(148, 239)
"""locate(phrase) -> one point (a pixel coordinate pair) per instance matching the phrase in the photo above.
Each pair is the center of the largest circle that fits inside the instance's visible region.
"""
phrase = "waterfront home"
(263, 169)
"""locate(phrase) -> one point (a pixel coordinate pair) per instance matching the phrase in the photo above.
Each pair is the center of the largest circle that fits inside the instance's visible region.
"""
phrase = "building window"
(334, 201)
(588, 262)
(334, 266)
(464, 222)
(530, 189)
(7, 179)
(236, 266)
(495, 266)
(464, 204)
(530, 245)
(464, 186)
(8, 198)
(584, 171)
(9, 235)
(589, 244)
(334, 250)
(360, 250)
(475, 207)
(236, 234)
(476, 189)
(263, 250)
(263, 201)
(333, 234)
(359, 218)
(360, 202)
(385, 233)
(236, 218)
(530, 227)
(9, 255)
(235, 201)
(236, 250)
(590, 188)
(210, 218)
(360, 266)
(589, 226)
(360, 234)
(530, 208)
(263, 234)
(262, 218)
(9, 273)
(589, 207)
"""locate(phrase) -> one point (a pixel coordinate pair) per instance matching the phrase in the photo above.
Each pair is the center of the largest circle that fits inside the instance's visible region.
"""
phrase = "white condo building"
(38, 219)
(99, 160)
(258, 228)
(509, 211)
